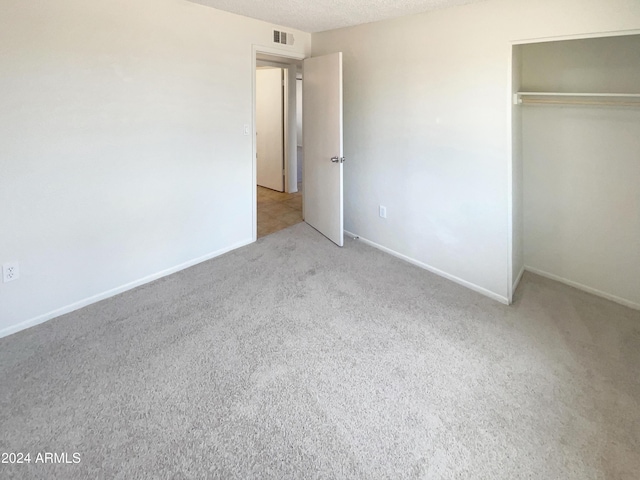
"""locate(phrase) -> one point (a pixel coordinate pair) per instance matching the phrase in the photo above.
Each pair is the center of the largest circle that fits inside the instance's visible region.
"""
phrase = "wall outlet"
(10, 272)
(383, 212)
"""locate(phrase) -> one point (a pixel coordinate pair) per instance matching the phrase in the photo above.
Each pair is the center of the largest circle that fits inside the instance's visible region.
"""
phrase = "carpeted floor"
(292, 358)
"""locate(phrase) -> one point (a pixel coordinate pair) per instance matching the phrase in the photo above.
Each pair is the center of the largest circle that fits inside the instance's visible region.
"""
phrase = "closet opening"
(576, 166)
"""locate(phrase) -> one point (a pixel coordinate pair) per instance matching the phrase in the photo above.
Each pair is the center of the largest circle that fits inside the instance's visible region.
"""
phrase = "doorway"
(322, 137)
(278, 143)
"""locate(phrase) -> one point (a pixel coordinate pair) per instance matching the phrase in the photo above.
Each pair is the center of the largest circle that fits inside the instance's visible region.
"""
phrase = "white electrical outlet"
(10, 272)
(383, 212)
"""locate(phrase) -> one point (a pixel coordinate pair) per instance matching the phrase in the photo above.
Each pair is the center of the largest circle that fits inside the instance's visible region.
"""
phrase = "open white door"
(322, 140)
(270, 129)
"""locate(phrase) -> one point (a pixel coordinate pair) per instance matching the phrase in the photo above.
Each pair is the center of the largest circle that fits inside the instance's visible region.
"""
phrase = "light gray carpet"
(292, 358)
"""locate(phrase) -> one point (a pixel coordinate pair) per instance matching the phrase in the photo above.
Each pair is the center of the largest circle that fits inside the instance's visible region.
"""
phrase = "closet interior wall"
(577, 168)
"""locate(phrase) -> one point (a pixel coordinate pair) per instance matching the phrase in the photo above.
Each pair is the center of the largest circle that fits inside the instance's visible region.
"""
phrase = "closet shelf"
(565, 98)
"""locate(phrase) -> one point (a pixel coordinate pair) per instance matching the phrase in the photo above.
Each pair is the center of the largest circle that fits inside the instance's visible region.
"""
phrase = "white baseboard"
(518, 278)
(459, 281)
(115, 291)
(579, 286)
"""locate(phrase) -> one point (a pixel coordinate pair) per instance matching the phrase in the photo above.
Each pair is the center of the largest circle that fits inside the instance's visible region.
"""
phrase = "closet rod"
(575, 98)
(531, 101)
(581, 94)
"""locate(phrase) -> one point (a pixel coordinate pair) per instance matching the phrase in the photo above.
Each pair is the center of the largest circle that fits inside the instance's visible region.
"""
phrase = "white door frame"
(284, 54)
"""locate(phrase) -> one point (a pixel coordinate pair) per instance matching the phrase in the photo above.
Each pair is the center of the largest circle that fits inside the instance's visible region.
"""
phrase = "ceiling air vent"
(283, 38)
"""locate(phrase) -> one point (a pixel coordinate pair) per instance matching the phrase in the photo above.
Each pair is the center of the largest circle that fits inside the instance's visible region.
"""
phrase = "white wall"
(299, 129)
(123, 154)
(291, 130)
(427, 126)
(299, 112)
(582, 167)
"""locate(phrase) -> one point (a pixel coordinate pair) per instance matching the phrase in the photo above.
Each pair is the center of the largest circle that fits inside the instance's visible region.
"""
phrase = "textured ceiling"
(320, 15)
